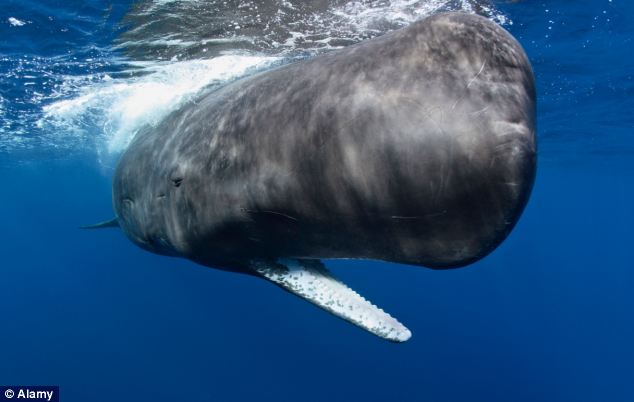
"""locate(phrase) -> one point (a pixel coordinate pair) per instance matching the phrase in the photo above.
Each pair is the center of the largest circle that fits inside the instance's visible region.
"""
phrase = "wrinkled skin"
(416, 147)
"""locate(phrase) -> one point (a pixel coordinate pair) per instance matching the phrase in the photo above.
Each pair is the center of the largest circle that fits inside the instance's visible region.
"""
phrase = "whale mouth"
(160, 245)
(310, 280)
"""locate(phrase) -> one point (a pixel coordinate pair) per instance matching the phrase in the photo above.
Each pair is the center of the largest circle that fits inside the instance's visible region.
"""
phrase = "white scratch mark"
(476, 76)
(479, 111)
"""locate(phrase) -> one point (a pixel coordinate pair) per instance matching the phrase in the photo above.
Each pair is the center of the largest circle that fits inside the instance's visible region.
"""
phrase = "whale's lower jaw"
(310, 280)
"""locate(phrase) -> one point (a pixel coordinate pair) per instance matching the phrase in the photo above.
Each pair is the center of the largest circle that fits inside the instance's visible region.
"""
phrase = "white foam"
(361, 19)
(118, 108)
(16, 22)
(163, 2)
(364, 14)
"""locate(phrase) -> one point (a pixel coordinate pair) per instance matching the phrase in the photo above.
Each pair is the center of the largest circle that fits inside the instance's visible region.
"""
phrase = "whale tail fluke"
(112, 223)
(310, 280)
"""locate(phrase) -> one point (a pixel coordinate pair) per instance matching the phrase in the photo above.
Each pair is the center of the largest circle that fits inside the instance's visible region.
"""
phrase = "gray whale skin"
(417, 147)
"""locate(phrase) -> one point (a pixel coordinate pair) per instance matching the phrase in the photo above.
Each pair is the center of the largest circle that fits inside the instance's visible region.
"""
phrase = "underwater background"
(548, 316)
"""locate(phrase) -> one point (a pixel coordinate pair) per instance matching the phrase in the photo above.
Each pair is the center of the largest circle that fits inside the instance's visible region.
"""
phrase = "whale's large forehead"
(467, 36)
(456, 43)
(481, 76)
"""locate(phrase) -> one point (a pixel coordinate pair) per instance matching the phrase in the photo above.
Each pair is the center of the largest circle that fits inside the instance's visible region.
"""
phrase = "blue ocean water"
(549, 316)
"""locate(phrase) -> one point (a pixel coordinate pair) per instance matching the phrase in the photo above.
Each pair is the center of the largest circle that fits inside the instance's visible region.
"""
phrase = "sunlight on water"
(120, 107)
(97, 99)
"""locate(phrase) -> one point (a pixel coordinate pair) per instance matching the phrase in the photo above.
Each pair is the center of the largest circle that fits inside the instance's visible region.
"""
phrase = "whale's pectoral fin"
(311, 280)
(112, 223)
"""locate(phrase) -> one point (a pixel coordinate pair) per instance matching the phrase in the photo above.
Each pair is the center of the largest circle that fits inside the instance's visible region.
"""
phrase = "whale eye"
(177, 181)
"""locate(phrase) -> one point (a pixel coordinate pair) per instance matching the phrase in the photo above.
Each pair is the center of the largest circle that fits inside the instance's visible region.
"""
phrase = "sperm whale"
(416, 147)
